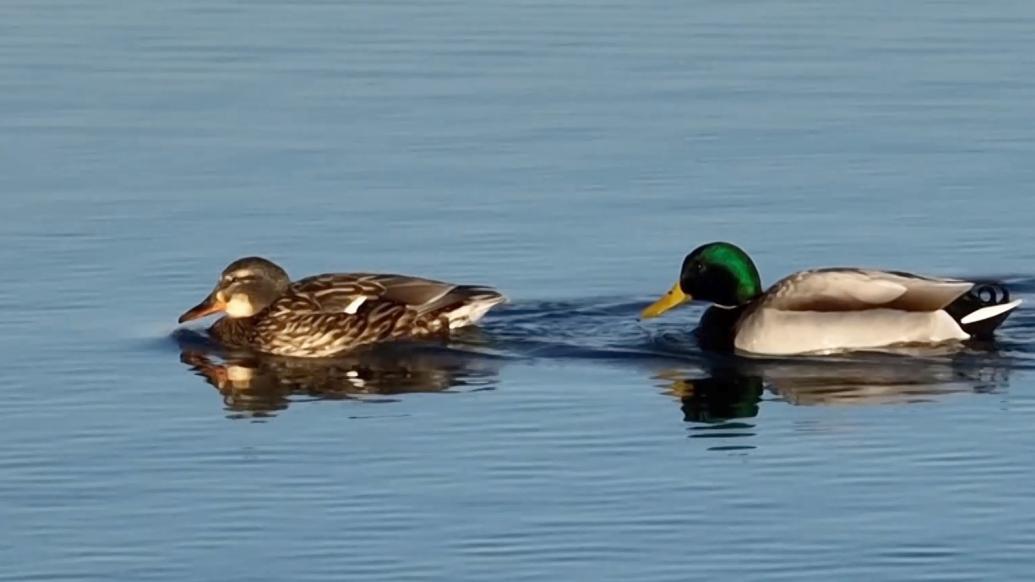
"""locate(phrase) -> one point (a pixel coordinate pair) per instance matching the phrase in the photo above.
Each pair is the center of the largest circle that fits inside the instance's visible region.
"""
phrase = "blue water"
(569, 153)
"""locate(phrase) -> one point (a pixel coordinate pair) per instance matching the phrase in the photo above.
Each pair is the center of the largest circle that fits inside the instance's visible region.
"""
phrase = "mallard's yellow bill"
(674, 298)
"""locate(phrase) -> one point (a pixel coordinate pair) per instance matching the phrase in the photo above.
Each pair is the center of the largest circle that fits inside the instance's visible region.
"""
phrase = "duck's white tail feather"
(990, 312)
(474, 308)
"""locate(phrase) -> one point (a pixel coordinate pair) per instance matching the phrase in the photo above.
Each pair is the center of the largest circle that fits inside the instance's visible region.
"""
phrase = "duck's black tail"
(982, 309)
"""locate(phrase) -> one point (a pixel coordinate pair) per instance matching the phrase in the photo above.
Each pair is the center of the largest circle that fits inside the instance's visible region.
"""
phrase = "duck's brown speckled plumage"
(334, 313)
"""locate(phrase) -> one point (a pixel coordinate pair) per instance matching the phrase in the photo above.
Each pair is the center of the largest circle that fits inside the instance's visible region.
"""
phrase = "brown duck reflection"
(733, 388)
(254, 385)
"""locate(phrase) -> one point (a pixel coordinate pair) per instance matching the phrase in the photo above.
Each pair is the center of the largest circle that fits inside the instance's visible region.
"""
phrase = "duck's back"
(850, 289)
(329, 314)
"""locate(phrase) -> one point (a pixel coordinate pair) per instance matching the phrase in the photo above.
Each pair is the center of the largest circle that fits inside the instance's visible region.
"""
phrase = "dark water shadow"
(258, 386)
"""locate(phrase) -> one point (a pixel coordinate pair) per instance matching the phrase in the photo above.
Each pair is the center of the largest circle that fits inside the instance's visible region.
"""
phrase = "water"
(569, 153)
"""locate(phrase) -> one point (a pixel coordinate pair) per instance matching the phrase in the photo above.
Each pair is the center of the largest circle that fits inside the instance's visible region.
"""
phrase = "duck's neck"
(233, 331)
(717, 328)
(749, 293)
(749, 284)
(730, 287)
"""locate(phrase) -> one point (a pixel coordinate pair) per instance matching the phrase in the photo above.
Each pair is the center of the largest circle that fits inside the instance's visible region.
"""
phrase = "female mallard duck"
(828, 310)
(330, 314)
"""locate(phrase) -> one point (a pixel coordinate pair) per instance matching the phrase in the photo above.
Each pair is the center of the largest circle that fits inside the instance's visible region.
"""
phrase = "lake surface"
(569, 153)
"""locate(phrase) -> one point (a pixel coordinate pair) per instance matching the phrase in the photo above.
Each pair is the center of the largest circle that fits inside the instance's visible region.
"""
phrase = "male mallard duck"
(330, 314)
(828, 310)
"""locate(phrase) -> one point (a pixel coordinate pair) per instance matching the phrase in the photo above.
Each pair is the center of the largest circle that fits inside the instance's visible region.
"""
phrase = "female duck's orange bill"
(211, 304)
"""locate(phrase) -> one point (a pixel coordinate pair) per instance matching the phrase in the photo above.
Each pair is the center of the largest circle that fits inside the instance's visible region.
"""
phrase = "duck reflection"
(256, 386)
(732, 387)
(715, 399)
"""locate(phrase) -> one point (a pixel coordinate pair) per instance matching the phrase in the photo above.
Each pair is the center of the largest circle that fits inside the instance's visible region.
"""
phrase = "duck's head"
(719, 272)
(246, 287)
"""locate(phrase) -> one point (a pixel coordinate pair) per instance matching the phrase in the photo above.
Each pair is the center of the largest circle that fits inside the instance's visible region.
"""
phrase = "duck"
(334, 313)
(828, 310)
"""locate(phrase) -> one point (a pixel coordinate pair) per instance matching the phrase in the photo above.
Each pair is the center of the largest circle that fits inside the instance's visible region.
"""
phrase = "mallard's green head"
(246, 287)
(719, 272)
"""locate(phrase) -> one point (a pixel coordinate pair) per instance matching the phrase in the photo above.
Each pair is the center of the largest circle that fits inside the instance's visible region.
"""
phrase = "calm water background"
(569, 153)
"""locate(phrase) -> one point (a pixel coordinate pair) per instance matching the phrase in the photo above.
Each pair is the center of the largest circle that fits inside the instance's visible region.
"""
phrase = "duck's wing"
(833, 310)
(846, 289)
(348, 292)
